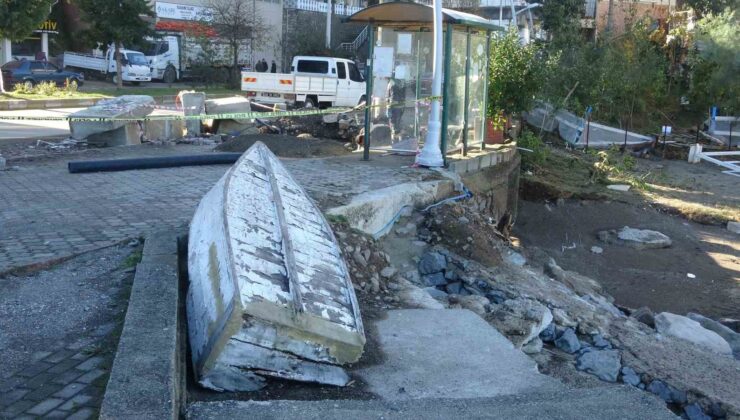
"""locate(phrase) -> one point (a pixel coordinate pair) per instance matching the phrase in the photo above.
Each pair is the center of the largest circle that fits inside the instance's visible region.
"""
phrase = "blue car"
(32, 72)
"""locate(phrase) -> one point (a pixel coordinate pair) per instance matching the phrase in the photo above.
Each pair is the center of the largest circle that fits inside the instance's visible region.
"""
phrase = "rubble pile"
(551, 313)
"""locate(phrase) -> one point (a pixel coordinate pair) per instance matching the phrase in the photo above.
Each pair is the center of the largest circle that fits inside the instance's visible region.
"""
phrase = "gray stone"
(388, 272)
(733, 227)
(520, 319)
(474, 303)
(600, 342)
(687, 329)
(732, 338)
(359, 258)
(597, 249)
(454, 288)
(604, 364)
(451, 275)
(436, 279)
(436, 293)
(515, 258)
(644, 315)
(496, 296)
(643, 238)
(533, 347)
(694, 412)
(629, 376)
(568, 341)
(666, 393)
(463, 220)
(562, 319)
(548, 335)
(417, 297)
(432, 262)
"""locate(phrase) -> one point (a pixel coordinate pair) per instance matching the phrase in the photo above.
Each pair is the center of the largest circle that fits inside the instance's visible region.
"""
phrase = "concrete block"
(427, 354)
(126, 106)
(164, 129)
(485, 160)
(145, 378)
(473, 164)
(234, 104)
(194, 103)
(125, 135)
(372, 211)
(731, 226)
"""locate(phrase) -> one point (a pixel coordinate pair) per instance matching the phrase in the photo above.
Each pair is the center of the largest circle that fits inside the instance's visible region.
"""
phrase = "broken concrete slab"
(372, 212)
(635, 238)
(266, 273)
(163, 130)
(521, 319)
(230, 105)
(107, 132)
(448, 354)
(689, 330)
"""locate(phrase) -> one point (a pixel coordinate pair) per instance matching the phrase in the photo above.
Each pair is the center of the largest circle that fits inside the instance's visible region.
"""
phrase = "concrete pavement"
(35, 129)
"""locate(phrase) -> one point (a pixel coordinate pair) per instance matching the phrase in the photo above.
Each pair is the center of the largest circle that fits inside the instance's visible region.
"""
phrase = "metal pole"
(418, 86)
(729, 140)
(588, 128)
(369, 89)
(446, 96)
(467, 94)
(430, 155)
(485, 91)
(328, 24)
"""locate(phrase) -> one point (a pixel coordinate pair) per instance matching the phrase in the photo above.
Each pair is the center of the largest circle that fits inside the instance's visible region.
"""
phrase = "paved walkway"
(48, 213)
(35, 129)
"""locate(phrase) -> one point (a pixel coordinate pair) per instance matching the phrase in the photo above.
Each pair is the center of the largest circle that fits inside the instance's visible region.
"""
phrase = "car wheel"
(309, 104)
(28, 84)
(170, 75)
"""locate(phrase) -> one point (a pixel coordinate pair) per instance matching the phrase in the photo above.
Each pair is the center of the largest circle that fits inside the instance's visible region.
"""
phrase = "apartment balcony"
(321, 7)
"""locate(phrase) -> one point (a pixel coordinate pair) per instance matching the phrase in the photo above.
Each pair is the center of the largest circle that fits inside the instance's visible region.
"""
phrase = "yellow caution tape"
(227, 116)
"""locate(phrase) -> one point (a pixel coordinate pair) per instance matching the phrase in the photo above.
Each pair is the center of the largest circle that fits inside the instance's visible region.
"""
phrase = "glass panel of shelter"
(402, 80)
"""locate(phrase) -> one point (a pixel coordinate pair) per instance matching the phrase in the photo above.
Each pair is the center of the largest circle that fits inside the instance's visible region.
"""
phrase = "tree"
(560, 16)
(515, 75)
(715, 63)
(236, 21)
(118, 21)
(18, 19)
(707, 7)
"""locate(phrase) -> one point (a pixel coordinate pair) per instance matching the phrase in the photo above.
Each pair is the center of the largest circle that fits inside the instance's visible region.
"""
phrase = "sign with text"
(182, 11)
(48, 26)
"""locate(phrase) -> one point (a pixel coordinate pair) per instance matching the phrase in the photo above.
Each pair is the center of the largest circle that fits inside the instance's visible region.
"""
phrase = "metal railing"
(355, 45)
(319, 6)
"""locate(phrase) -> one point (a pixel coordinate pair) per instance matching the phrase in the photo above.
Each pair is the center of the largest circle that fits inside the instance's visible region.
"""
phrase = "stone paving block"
(40, 355)
(76, 402)
(90, 376)
(39, 380)
(11, 383)
(82, 414)
(17, 408)
(34, 369)
(8, 398)
(43, 391)
(57, 414)
(63, 366)
(45, 406)
(70, 390)
(67, 377)
(90, 363)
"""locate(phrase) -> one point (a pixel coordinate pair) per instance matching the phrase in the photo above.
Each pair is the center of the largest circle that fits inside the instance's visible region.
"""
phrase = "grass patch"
(156, 92)
(132, 260)
(59, 94)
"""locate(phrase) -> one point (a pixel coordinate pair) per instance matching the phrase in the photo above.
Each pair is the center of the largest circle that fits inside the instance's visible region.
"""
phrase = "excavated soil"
(286, 146)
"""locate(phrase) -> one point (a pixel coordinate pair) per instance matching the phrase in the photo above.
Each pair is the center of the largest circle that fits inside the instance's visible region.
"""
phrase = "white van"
(312, 82)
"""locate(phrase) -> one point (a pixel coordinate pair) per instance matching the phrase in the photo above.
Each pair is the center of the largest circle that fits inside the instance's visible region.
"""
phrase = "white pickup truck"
(312, 82)
(134, 66)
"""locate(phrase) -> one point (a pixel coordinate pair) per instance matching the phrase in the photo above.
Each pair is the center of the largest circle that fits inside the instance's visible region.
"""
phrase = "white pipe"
(431, 155)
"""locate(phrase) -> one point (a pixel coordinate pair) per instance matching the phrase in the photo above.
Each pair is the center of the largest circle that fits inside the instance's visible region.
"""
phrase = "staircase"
(357, 43)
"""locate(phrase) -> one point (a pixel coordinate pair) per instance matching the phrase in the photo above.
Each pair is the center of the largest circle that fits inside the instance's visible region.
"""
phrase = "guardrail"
(318, 6)
(355, 45)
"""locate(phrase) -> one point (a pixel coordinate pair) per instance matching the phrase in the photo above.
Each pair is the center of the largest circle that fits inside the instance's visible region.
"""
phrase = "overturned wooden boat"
(269, 293)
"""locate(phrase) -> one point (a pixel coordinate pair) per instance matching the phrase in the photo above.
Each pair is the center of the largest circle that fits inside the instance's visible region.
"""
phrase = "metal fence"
(318, 6)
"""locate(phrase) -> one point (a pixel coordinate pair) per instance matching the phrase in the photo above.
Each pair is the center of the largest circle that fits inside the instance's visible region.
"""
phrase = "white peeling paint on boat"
(265, 270)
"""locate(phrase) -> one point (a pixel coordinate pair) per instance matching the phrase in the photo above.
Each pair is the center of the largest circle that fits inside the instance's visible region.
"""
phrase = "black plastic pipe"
(82, 166)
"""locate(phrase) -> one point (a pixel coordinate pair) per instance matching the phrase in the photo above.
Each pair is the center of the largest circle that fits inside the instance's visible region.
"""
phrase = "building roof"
(406, 13)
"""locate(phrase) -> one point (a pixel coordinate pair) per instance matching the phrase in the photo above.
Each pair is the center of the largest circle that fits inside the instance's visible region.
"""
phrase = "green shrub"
(70, 87)
(46, 89)
(539, 153)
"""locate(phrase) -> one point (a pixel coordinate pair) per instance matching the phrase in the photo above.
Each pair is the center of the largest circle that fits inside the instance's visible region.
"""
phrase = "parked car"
(32, 72)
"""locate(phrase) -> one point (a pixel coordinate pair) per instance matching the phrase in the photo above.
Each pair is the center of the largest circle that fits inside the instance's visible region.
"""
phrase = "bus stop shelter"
(399, 77)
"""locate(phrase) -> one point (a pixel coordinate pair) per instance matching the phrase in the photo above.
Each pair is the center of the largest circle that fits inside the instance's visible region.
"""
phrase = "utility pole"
(431, 155)
(328, 23)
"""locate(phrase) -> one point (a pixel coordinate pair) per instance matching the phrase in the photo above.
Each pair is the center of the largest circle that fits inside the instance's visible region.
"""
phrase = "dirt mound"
(286, 146)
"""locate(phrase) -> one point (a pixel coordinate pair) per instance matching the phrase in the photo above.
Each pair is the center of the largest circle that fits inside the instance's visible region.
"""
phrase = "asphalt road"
(34, 129)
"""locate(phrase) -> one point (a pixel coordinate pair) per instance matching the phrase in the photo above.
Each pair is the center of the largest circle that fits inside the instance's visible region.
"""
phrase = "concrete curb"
(146, 380)
(16, 104)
